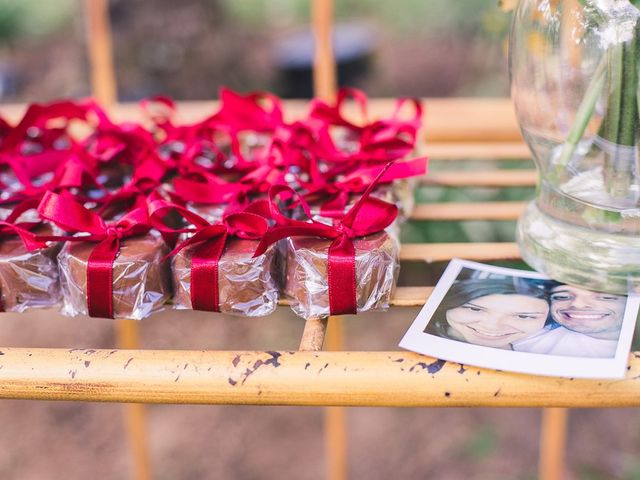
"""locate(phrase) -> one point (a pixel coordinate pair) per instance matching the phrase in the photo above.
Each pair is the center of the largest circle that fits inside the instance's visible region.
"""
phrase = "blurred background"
(188, 49)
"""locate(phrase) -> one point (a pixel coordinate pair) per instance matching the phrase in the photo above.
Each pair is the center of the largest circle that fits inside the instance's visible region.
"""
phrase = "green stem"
(584, 114)
(620, 123)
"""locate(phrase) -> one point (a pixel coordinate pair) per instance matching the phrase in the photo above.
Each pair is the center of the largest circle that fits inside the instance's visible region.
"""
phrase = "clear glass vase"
(574, 80)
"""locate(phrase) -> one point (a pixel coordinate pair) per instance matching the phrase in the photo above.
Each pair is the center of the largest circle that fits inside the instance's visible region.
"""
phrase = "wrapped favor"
(307, 279)
(28, 270)
(213, 266)
(108, 269)
(348, 267)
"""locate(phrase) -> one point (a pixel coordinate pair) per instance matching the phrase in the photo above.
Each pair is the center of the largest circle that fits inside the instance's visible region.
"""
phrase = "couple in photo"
(532, 316)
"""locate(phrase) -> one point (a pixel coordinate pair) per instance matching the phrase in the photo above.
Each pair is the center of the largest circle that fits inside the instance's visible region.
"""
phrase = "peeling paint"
(432, 368)
(274, 358)
(236, 360)
(87, 363)
(273, 361)
(232, 382)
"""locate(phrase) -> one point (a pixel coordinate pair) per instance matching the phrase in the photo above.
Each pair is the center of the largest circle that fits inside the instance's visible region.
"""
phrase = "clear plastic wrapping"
(140, 278)
(403, 195)
(247, 286)
(28, 279)
(377, 267)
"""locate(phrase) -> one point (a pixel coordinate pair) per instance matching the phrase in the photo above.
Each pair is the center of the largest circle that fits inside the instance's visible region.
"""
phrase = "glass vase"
(574, 80)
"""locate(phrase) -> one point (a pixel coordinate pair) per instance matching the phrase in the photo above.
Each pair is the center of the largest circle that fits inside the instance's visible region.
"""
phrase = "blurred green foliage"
(467, 231)
(434, 15)
(23, 19)
(483, 443)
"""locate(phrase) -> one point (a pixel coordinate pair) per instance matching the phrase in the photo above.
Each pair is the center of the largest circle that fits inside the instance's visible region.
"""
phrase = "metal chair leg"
(135, 413)
(553, 436)
(336, 417)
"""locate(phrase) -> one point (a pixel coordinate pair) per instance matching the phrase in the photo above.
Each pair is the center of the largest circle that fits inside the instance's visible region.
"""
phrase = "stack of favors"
(120, 220)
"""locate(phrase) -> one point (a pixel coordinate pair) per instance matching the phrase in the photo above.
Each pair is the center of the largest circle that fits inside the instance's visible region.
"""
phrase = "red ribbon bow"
(334, 194)
(368, 216)
(210, 240)
(73, 217)
(380, 141)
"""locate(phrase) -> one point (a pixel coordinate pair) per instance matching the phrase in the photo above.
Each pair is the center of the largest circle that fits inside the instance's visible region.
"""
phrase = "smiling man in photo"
(587, 324)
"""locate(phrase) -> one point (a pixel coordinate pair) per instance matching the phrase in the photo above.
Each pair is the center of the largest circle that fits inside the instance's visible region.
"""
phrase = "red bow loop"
(333, 114)
(11, 227)
(246, 112)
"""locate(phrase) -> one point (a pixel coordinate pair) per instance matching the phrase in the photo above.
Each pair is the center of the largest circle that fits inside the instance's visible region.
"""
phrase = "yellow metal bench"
(456, 129)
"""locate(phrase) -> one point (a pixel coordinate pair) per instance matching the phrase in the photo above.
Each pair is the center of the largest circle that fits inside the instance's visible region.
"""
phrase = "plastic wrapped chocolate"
(140, 277)
(376, 266)
(247, 286)
(28, 279)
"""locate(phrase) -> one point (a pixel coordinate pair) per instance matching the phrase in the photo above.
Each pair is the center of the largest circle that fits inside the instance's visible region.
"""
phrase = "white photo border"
(417, 340)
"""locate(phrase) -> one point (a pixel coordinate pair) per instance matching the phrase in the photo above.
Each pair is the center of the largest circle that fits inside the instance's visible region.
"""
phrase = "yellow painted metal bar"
(128, 336)
(457, 125)
(103, 78)
(324, 66)
(484, 178)
(336, 417)
(553, 443)
(456, 211)
(439, 252)
(293, 378)
(486, 150)
(313, 335)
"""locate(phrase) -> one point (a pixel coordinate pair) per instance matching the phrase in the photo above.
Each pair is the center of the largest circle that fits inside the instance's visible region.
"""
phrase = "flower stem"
(584, 114)
(620, 124)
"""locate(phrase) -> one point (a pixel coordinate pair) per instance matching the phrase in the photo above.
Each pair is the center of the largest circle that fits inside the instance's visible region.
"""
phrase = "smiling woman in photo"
(490, 313)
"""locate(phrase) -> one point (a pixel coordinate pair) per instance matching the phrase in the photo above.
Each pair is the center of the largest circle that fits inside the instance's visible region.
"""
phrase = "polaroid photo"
(520, 321)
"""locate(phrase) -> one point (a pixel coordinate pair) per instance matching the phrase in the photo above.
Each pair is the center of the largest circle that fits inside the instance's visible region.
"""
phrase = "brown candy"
(247, 286)
(140, 277)
(377, 267)
(28, 279)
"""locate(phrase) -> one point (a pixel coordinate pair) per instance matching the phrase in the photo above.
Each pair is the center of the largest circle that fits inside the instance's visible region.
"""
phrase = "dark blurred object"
(8, 81)
(353, 46)
(186, 49)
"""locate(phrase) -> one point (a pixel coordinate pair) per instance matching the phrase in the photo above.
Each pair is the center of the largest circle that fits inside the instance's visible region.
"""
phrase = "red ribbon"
(333, 194)
(251, 111)
(73, 217)
(210, 240)
(380, 141)
(369, 215)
